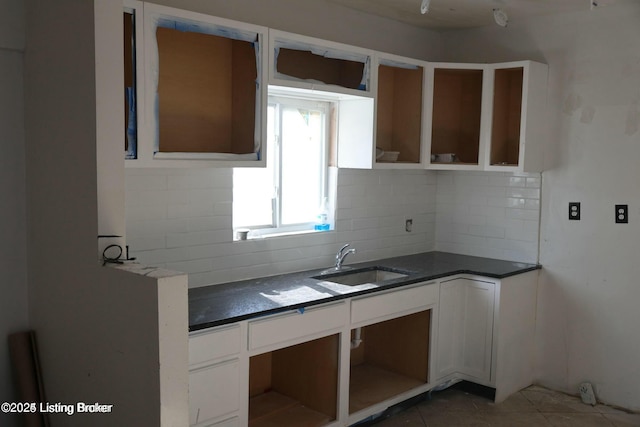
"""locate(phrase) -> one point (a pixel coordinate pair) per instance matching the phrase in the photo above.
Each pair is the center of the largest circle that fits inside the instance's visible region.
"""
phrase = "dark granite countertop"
(216, 305)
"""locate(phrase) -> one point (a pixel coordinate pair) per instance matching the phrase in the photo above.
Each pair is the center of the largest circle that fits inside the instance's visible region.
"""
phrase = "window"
(288, 194)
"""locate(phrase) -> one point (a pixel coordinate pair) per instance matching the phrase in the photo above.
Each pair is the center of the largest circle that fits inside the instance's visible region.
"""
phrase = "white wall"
(181, 219)
(13, 265)
(589, 291)
(488, 214)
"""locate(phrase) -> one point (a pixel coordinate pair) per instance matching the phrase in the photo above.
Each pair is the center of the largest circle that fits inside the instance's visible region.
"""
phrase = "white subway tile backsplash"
(534, 182)
(526, 193)
(216, 222)
(190, 210)
(147, 242)
(182, 219)
(504, 226)
(144, 213)
(157, 227)
(146, 182)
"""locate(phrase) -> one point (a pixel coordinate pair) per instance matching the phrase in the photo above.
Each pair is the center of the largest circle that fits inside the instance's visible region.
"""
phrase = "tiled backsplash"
(181, 219)
(490, 214)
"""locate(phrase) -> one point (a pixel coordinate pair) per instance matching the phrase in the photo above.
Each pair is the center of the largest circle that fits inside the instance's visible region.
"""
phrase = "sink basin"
(362, 276)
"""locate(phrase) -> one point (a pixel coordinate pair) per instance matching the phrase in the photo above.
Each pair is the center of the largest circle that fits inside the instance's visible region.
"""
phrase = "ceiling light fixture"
(424, 8)
(500, 16)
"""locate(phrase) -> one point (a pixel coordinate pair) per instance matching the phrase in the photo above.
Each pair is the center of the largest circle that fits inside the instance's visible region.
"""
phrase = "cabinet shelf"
(272, 409)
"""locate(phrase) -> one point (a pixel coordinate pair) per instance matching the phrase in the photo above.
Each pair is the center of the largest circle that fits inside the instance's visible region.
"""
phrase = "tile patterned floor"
(534, 406)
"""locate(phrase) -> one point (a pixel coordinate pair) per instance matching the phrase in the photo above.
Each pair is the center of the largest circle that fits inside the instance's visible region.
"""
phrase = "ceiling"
(456, 14)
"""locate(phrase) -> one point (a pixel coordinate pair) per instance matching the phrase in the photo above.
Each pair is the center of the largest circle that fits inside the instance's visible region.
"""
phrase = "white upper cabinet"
(397, 130)
(458, 112)
(518, 129)
(400, 85)
(487, 117)
(204, 91)
(196, 94)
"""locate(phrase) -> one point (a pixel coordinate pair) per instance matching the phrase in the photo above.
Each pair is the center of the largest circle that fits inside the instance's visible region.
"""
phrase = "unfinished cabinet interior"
(388, 359)
(309, 63)
(517, 139)
(204, 89)
(399, 112)
(296, 385)
(506, 116)
(456, 115)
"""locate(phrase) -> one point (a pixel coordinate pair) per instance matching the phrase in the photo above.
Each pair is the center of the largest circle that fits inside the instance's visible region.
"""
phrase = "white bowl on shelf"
(388, 156)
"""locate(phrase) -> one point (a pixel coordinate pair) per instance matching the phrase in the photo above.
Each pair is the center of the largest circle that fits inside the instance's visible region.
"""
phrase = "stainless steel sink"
(362, 276)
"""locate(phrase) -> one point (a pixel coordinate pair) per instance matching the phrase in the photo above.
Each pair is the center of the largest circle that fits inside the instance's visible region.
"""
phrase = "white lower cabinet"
(213, 391)
(486, 331)
(337, 364)
(214, 376)
(465, 329)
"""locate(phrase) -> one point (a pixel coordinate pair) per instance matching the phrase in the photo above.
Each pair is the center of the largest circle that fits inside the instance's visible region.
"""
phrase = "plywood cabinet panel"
(456, 114)
(399, 107)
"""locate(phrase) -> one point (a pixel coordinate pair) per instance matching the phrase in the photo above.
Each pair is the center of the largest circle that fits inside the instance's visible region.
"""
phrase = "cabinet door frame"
(147, 55)
(453, 326)
(485, 115)
(533, 131)
(388, 59)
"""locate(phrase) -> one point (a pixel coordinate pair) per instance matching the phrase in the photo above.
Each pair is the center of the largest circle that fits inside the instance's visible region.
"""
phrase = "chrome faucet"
(341, 255)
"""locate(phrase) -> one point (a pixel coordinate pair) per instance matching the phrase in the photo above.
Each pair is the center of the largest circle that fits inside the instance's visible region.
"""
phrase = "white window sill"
(253, 235)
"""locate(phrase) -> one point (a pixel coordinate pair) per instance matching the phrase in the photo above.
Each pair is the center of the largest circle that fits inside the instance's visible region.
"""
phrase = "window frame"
(280, 102)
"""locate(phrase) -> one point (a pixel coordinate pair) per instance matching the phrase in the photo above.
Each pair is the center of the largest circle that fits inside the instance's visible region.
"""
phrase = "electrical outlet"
(574, 211)
(408, 225)
(622, 214)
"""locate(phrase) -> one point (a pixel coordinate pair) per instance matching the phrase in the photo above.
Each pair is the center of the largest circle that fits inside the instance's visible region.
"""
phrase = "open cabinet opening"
(392, 358)
(457, 106)
(399, 113)
(307, 65)
(130, 92)
(507, 113)
(295, 386)
(206, 93)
